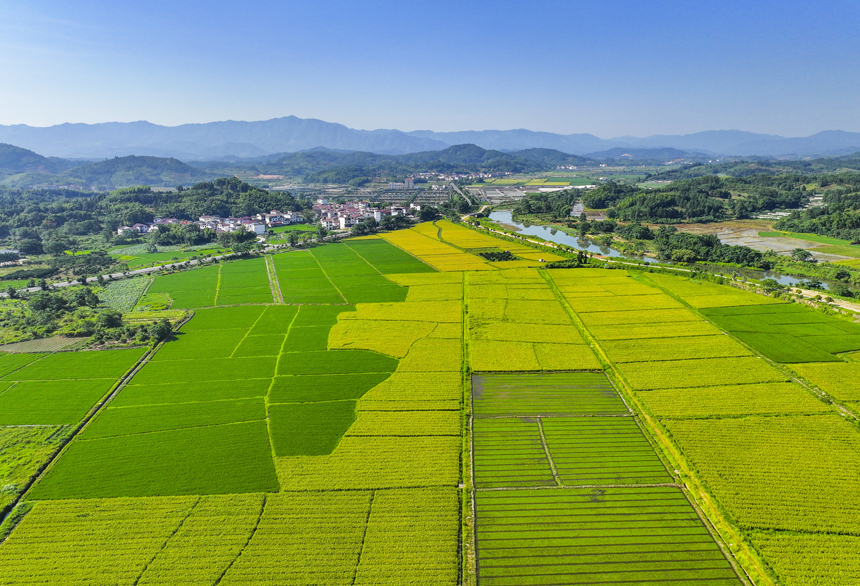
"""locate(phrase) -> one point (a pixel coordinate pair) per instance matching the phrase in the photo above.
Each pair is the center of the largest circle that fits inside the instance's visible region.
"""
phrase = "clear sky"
(611, 68)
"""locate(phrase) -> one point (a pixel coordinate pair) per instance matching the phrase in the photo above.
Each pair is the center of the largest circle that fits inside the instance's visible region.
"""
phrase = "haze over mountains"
(233, 139)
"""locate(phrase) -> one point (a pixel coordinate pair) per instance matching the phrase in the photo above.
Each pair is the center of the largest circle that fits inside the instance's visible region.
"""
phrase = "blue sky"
(609, 68)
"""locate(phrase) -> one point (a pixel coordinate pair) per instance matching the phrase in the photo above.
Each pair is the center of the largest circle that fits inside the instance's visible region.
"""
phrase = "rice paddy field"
(397, 410)
(601, 506)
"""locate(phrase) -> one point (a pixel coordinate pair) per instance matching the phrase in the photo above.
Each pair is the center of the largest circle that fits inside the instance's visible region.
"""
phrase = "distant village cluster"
(257, 224)
(340, 216)
(332, 216)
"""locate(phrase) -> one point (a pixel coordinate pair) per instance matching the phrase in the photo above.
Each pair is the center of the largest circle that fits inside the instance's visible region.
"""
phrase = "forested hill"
(221, 197)
(327, 166)
(839, 217)
(26, 169)
(32, 219)
(133, 170)
(753, 166)
(15, 160)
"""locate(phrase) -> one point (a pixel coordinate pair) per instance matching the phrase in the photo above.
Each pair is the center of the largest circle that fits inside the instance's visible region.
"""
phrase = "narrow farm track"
(746, 563)
(468, 543)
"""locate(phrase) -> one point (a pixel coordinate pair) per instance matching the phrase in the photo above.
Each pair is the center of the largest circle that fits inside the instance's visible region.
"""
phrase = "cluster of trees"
(672, 244)
(498, 256)
(556, 206)
(369, 225)
(839, 217)
(76, 311)
(221, 197)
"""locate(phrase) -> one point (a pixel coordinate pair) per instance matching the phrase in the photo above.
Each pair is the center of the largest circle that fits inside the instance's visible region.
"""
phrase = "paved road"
(480, 211)
(465, 196)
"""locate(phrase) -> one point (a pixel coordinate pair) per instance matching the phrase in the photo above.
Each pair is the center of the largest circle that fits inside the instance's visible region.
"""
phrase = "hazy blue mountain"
(639, 154)
(521, 139)
(829, 142)
(710, 141)
(232, 140)
(211, 140)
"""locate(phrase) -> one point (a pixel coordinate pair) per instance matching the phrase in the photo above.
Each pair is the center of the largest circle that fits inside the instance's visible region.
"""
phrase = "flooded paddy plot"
(595, 536)
(570, 491)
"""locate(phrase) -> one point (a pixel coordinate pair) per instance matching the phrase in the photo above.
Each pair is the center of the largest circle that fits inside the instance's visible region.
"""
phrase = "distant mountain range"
(241, 140)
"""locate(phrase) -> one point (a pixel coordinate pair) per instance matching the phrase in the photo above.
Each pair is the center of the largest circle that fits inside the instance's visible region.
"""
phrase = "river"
(552, 234)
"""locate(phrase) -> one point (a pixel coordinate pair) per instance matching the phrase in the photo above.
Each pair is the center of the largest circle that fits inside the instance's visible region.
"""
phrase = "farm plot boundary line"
(744, 560)
(319, 264)
(114, 390)
(247, 333)
(247, 542)
(150, 432)
(363, 537)
(548, 454)
(274, 284)
(166, 541)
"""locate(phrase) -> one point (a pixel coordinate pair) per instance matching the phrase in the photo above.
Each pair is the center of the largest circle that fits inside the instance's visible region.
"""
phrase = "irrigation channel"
(553, 234)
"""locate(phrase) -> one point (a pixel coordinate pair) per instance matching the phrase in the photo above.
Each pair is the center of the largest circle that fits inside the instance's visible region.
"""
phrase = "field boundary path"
(274, 284)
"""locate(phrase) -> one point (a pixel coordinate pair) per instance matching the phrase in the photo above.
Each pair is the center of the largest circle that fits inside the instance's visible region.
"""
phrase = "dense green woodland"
(703, 199)
(838, 217)
(754, 166)
(50, 221)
